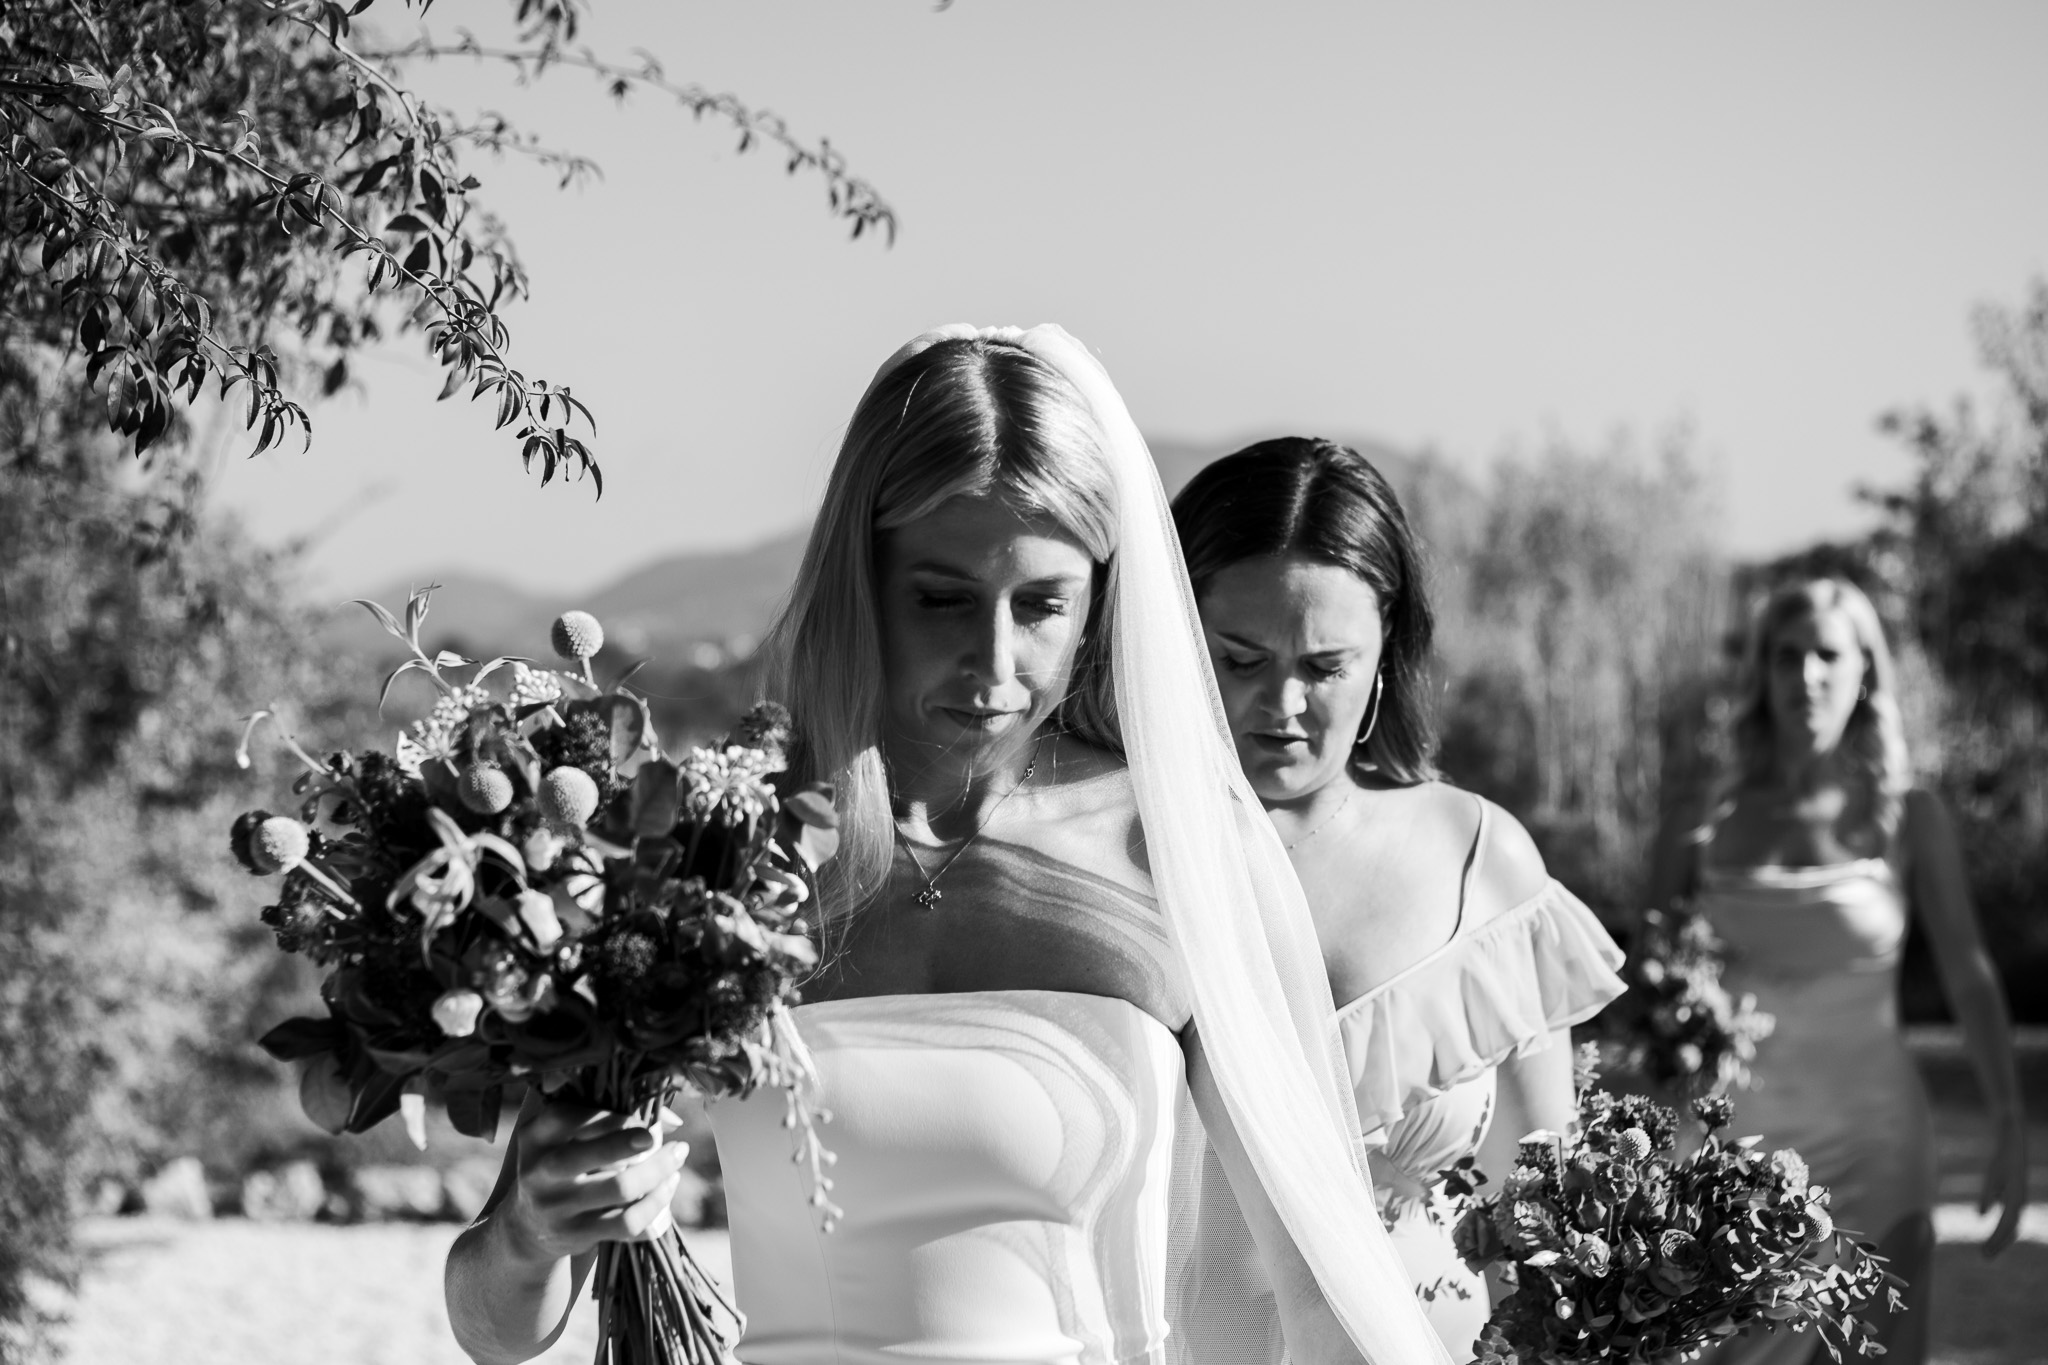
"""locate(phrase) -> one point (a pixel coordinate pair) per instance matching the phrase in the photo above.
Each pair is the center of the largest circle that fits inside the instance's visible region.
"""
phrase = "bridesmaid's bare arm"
(1941, 901)
(1532, 1090)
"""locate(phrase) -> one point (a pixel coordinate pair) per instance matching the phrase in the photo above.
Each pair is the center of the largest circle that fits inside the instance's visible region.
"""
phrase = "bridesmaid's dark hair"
(1299, 495)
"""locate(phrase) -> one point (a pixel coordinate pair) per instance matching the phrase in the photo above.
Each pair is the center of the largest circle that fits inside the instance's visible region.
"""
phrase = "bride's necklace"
(1318, 827)
(929, 898)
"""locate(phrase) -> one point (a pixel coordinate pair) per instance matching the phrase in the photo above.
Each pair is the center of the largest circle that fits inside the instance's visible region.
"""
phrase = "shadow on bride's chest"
(1006, 918)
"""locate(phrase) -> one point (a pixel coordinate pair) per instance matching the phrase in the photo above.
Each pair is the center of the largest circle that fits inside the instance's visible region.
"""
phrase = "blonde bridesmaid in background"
(1808, 862)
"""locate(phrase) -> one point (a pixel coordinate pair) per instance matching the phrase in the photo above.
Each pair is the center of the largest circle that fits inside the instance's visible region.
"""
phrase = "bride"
(1057, 917)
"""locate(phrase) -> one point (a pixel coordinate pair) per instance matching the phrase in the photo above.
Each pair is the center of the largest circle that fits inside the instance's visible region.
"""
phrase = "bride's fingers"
(577, 1159)
(616, 1186)
(643, 1220)
(558, 1121)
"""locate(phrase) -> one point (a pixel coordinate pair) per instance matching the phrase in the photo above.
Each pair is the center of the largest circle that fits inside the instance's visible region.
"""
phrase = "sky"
(1464, 227)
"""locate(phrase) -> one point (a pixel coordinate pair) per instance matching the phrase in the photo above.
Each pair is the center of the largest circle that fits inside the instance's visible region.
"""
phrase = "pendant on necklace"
(929, 898)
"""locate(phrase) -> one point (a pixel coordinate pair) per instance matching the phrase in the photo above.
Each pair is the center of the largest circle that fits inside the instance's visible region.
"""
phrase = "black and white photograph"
(1023, 682)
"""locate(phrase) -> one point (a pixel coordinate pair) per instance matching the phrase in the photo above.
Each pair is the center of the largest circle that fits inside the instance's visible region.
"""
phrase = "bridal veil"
(1235, 916)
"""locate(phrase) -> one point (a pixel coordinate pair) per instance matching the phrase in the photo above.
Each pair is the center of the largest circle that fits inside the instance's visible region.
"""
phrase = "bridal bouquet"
(1620, 1250)
(1678, 1025)
(525, 891)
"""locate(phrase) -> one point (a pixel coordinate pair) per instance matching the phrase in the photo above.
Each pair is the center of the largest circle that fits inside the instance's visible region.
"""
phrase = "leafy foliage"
(1619, 1248)
(127, 998)
(1583, 612)
(196, 194)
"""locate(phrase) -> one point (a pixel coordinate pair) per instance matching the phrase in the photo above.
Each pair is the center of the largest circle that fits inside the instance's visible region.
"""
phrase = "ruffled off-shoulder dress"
(1424, 1047)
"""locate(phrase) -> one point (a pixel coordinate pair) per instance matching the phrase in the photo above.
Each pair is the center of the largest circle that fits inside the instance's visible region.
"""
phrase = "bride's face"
(982, 615)
(1296, 644)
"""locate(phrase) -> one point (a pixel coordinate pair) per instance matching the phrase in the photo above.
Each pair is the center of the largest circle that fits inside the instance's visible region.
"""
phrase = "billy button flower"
(577, 635)
(486, 789)
(568, 796)
(267, 844)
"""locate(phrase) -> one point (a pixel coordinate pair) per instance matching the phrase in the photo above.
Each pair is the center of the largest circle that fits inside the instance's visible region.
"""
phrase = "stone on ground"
(178, 1191)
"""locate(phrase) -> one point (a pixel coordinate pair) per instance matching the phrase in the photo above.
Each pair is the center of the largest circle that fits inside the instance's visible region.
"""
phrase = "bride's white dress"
(1003, 1160)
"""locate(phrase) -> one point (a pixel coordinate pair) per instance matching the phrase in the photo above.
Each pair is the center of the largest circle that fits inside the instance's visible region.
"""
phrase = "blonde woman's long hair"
(974, 417)
(1873, 742)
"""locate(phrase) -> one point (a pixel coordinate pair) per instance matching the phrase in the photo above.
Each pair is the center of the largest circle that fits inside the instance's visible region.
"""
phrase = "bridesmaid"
(1807, 864)
(1458, 965)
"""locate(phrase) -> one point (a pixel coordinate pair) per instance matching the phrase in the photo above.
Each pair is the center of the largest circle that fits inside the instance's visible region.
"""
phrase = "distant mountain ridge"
(702, 606)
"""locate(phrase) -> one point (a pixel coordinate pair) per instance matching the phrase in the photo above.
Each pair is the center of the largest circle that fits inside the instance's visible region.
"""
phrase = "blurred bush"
(133, 974)
(1583, 599)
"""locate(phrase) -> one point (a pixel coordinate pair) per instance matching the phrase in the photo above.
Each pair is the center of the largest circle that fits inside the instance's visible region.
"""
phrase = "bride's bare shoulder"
(1072, 761)
(1094, 810)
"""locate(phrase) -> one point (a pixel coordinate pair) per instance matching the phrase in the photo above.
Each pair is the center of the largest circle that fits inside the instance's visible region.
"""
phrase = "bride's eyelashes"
(1024, 608)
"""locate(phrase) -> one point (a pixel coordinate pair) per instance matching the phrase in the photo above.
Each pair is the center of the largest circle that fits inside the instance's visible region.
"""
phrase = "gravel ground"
(240, 1293)
(234, 1292)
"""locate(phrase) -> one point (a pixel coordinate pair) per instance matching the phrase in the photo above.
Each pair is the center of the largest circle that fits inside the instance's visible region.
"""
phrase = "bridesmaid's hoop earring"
(1379, 681)
(1863, 693)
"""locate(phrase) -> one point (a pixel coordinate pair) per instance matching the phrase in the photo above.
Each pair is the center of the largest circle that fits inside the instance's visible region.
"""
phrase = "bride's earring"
(1379, 682)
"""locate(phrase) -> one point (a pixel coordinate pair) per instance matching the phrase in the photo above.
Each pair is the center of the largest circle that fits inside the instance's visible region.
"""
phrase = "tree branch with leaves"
(235, 193)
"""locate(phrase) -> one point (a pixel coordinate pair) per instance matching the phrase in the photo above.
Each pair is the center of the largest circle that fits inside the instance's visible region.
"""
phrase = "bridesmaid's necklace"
(1318, 827)
(929, 898)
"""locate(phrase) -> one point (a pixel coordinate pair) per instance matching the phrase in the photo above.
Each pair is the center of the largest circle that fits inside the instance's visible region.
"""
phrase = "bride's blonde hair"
(1873, 742)
(972, 417)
